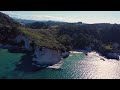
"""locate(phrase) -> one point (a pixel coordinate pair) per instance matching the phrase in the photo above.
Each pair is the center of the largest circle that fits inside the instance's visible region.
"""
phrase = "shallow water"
(76, 66)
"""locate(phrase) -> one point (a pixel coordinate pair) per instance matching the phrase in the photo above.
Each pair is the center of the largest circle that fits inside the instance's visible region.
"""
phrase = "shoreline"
(80, 51)
(57, 66)
(75, 52)
(107, 55)
(14, 48)
(103, 55)
(94, 55)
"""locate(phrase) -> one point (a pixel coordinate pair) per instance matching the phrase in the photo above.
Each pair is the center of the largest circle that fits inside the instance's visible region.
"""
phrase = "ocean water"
(8, 63)
(76, 66)
(9, 60)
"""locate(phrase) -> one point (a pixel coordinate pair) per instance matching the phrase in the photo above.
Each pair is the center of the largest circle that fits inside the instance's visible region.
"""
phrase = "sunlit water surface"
(76, 66)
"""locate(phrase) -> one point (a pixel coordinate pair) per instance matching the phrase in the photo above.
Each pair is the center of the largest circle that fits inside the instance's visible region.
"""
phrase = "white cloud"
(85, 19)
(13, 14)
(41, 17)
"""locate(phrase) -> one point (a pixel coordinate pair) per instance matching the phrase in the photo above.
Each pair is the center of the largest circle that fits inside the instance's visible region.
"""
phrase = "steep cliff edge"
(40, 42)
(25, 40)
(46, 56)
(6, 20)
(42, 56)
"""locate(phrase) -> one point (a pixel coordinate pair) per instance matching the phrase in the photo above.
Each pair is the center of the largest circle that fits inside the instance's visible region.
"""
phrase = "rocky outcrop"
(65, 54)
(115, 45)
(5, 46)
(26, 41)
(112, 56)
(46, 56)
(42, 56)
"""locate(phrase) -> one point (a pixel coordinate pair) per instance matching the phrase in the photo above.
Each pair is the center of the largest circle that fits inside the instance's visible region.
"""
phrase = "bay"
(76, 66)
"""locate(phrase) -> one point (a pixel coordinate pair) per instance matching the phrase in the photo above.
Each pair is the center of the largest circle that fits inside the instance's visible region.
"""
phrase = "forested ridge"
(62, 36)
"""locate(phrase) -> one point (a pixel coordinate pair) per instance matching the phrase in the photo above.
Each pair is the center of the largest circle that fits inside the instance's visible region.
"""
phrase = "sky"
(69, 16)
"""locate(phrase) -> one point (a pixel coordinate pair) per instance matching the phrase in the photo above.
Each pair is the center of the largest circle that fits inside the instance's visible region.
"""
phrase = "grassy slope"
(42, 37)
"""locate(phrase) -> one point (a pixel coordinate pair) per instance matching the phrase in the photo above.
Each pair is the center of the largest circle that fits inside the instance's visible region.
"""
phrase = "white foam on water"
(70, 55)
(57, 66)
(75, 52)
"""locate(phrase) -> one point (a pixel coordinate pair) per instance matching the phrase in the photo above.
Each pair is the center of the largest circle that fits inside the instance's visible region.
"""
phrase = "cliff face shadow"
(25, 64)
(17, 50)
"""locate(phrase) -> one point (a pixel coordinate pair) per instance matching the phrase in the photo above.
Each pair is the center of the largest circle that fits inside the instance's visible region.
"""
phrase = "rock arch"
(23, 39)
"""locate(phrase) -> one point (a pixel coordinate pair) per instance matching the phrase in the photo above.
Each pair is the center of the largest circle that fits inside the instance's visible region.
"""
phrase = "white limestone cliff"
(44, 56)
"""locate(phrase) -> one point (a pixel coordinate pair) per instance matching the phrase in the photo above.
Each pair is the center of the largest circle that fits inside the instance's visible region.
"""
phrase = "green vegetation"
(41, 37)
(61, 35)
(6, 20)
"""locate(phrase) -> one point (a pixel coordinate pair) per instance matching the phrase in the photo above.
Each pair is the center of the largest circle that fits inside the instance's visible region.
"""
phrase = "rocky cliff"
(26, 41)
(46, 56)
(42, 56)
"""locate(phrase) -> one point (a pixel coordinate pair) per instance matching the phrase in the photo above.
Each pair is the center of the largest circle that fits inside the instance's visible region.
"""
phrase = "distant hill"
(10, 29)
(44, 24)
(37, 23)
(55, 34)
(24, 21)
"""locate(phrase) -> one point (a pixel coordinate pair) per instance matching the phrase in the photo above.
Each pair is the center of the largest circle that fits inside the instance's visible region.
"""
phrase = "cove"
(10, 70)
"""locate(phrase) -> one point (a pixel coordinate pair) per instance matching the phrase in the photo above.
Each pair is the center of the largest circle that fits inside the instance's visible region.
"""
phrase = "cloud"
(41, 17)
(84, 19)
(12, 14)
(46, 17)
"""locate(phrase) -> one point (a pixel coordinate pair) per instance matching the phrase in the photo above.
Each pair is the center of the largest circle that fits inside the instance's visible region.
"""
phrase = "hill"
(62, 35)
(10, 29)
(6, 20)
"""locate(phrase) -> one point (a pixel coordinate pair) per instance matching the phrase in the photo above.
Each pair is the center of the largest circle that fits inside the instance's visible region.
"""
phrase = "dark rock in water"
(56, 68)
(86, 53)
(110, 55)
(113, 56)
(65, 54)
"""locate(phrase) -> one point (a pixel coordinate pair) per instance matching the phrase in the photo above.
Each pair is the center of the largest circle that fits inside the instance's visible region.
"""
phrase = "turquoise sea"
(76, 66)
(9, 60)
